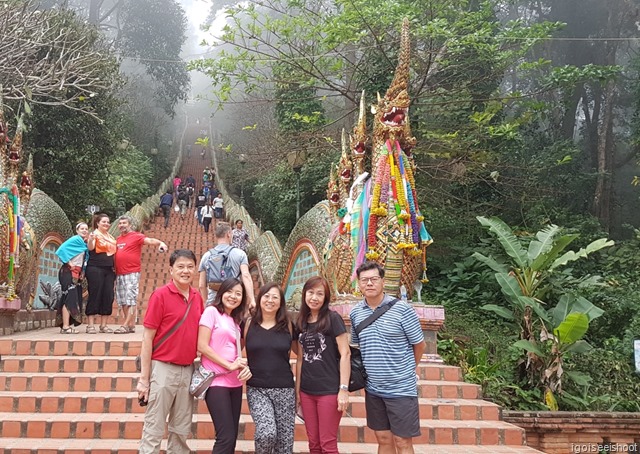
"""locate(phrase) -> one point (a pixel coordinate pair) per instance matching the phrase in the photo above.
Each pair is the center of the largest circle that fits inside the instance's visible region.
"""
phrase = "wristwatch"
(344, 388)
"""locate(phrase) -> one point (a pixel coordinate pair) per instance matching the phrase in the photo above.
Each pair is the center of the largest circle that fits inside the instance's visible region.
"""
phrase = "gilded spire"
(401, 78)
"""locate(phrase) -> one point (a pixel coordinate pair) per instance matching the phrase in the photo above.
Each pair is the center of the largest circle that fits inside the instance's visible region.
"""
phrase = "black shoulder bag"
(358, 377)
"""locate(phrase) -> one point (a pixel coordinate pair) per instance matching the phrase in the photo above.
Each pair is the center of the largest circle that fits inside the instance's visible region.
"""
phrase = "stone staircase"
(75, 393)
(62, 393)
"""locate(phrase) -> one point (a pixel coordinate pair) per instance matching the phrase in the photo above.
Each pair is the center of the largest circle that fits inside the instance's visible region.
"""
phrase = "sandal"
(70, 330)
(132, 329)
(105, 329)
(122, 330)
(91, 329)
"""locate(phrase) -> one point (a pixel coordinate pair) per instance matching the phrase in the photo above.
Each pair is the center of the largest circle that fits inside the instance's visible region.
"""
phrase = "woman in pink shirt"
(219, 345)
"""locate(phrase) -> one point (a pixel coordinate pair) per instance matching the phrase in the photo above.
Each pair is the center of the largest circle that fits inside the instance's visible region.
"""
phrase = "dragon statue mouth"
(359, 149)
(395, 118)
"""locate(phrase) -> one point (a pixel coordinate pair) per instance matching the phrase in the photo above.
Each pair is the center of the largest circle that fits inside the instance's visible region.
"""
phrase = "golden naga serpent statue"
(15, 192)
(377, 217)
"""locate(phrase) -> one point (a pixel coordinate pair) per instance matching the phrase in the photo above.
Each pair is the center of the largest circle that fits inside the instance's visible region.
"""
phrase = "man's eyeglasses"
(373, 280)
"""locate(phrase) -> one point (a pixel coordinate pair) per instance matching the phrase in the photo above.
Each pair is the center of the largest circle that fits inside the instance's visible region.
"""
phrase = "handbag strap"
(173, 328)
(238, 345)
(375, 316)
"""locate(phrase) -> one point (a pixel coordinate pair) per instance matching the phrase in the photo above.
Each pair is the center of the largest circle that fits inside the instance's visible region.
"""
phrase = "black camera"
(142, 402)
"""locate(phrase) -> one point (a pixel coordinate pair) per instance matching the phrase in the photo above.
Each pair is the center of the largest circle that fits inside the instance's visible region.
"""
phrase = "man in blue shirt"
(391, 349)
(165, 203)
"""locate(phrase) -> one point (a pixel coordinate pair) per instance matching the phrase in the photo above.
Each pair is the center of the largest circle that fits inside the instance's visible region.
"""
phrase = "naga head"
(359, 140)
(15, 150)
(391, 112)
(345, 168)
(333, 191)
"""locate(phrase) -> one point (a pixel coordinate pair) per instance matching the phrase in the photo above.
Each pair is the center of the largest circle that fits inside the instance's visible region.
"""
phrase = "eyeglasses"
(373, 280)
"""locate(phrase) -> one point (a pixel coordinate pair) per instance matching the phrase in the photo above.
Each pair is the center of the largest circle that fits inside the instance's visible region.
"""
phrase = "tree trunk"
(605, 154)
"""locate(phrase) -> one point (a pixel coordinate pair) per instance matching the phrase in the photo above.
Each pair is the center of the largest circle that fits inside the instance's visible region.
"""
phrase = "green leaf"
(544, 242)
(578, 378)
(528, 346)
(490, 262)
(581, 346)
(507, 239)
(572, 329)
(562, 309)
(572, 256)
(585, 306)
(501, 311)
(543, 261)
(509, 286)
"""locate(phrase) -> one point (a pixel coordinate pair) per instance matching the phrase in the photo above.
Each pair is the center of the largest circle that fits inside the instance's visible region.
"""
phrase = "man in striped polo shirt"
(391, 348)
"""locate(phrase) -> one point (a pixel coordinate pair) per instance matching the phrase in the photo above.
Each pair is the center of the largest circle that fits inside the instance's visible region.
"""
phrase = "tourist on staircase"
(73, 255)
(222, 262)
(183, 201)
(166, 202)
(391, 350)
(100, 274)
(206, 214)
(169, 347)
(200, 202)
(128, 264)
(177, 181)
(221, 352)
(240, 237)
(269, 339)
(218, 208)
(322, 368)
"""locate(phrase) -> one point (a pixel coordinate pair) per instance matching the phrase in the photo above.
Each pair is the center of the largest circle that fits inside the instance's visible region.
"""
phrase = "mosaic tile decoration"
(304, 267)
(47, 270)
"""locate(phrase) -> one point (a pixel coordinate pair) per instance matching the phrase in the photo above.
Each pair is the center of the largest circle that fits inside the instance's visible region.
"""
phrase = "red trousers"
(323, 436)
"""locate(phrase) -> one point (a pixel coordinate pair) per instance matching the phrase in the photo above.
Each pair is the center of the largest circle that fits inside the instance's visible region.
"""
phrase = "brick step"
(116, 446)
(104, 364)
(62, 362)
(127, 402)
(66, 345)
(126, 381)
(352, 430)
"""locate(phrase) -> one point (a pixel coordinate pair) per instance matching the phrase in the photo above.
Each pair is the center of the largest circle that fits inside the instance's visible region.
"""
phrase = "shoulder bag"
(166, 336)
(202, 377)
(358, 377)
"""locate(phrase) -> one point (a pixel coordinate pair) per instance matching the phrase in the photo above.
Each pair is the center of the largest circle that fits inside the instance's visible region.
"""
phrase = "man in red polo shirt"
(127, 262)
(167, 356)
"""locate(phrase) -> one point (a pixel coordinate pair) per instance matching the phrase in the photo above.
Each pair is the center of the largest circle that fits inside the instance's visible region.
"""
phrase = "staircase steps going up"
(75, 393)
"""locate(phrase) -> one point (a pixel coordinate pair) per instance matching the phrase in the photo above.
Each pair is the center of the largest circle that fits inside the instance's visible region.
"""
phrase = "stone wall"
(560, 432)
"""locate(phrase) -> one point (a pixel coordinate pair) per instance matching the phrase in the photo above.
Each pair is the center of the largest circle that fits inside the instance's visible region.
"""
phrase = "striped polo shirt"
(387, 348)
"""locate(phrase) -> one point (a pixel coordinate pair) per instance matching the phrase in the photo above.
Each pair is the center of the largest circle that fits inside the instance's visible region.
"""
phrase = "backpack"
(217, 267)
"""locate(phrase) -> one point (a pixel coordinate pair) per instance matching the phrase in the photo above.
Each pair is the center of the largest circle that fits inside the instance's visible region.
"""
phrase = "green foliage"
(130, 172)
(522, 277)
(273, 196)
(154, 32)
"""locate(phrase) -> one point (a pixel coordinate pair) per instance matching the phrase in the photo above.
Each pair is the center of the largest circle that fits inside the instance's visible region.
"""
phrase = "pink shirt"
(223, 342)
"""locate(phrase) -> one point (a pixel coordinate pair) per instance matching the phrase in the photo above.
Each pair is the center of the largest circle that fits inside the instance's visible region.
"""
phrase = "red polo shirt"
(128, 252)
(166, 308)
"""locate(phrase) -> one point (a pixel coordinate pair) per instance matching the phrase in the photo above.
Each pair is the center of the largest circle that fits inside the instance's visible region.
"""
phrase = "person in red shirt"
(127, 263)
(169, 347)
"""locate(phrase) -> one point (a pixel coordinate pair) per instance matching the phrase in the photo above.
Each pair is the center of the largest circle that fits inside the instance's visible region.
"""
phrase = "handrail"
(144, 211)
(265, 247)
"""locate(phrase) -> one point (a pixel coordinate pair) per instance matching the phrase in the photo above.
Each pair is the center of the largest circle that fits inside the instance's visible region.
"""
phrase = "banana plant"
(546, 334)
